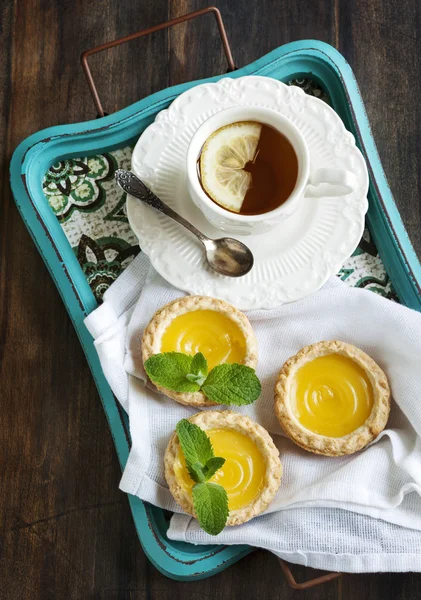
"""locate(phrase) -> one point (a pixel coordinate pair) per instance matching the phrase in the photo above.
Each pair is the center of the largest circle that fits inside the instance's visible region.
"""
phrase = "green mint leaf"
(169, 370)
(210, 503)
(212, 466)
(199, 369)
(232, 384)
(198, 379)
(199, 365)
(196, 472)
(194, 442)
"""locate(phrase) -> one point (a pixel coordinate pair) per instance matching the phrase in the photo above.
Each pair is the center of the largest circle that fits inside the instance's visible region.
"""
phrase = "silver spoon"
(225, 256)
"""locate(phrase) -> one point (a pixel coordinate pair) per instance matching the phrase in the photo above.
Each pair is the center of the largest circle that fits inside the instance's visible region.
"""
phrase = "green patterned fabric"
(91, 209)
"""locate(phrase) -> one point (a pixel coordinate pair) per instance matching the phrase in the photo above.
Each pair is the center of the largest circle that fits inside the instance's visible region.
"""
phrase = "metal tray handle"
(98, 105)
(128, 38)
(306, 584)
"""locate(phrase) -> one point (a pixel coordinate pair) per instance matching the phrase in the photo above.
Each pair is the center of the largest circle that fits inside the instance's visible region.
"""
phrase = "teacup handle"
(337, 179)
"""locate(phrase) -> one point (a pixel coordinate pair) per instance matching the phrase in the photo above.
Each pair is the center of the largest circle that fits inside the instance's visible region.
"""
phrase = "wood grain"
(66, 530)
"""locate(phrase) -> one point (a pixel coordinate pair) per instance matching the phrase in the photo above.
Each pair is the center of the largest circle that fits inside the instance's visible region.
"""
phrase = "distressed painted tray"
(62, 181)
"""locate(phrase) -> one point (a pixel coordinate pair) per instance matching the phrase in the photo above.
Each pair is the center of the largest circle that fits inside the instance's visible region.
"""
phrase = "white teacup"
(308, 181)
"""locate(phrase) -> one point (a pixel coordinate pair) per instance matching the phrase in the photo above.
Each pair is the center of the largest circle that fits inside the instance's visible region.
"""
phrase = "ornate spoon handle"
(135, 187)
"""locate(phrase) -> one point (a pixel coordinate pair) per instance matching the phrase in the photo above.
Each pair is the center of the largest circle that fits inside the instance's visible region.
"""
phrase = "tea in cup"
(248, 168)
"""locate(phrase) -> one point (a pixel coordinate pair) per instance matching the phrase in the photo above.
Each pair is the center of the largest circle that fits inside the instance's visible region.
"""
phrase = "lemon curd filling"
(210, 332)
(243, 472)
(331, 395)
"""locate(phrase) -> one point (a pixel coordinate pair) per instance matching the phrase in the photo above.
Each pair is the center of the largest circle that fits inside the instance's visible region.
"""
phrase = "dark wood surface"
(66, 530)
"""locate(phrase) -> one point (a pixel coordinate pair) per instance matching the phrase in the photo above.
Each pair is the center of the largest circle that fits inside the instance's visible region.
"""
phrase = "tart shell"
(320, 444)
(228, 419)
(151, 341)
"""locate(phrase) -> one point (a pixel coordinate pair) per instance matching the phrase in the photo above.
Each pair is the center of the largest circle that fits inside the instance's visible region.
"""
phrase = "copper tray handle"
(98, 105)
(128, 38)
(306, 584)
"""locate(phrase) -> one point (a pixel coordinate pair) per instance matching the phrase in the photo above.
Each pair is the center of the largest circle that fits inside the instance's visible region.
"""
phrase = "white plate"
(293, 260)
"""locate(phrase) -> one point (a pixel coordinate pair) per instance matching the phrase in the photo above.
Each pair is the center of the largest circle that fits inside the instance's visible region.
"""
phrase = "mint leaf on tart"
(196, 472)
(210, 503)
(169, 370)
(195, 444)
(212, 466)
(198, 369)
(232, 384)
(210, 500)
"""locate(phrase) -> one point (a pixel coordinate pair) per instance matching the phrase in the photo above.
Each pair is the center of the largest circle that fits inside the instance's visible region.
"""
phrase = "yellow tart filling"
(210, 332)
(331, 395)
(243, 472)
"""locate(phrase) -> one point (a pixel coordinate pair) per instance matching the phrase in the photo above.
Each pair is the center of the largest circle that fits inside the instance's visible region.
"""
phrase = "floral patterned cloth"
(91, 209)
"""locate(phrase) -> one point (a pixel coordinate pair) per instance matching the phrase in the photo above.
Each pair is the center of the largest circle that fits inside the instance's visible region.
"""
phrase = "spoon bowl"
(228, 257)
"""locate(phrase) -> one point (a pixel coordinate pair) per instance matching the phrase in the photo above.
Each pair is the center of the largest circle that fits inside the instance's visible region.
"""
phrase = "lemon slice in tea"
(222, 161)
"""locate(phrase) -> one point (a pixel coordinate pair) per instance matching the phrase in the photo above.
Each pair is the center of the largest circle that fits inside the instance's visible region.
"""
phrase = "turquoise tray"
(35, 155)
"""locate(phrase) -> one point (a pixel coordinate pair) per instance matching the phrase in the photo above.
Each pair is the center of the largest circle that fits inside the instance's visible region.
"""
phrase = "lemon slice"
(222, 161)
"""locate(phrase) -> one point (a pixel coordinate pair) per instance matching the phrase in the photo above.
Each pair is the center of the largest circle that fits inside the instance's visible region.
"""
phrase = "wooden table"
(67, 531)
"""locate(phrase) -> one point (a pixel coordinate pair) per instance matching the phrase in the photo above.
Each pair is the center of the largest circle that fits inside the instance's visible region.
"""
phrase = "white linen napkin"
(363, 504)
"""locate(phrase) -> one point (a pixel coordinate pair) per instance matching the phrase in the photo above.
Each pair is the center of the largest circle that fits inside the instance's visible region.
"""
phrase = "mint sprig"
(210, 500)
(231, 384)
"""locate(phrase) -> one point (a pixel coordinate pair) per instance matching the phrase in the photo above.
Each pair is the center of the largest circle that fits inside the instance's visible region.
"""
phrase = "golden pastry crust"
(151, 341)
(320, 444)
(228, 419)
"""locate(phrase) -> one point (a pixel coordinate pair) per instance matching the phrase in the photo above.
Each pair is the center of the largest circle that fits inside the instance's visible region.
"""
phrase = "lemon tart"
(203, 324)
(332, 398)
(252, 471)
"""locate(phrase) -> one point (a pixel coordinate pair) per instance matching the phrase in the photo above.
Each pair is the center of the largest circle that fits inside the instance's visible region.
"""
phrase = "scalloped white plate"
(293, 260)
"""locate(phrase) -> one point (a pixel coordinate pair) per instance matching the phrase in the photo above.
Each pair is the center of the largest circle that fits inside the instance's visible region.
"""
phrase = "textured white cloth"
(358, 513)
